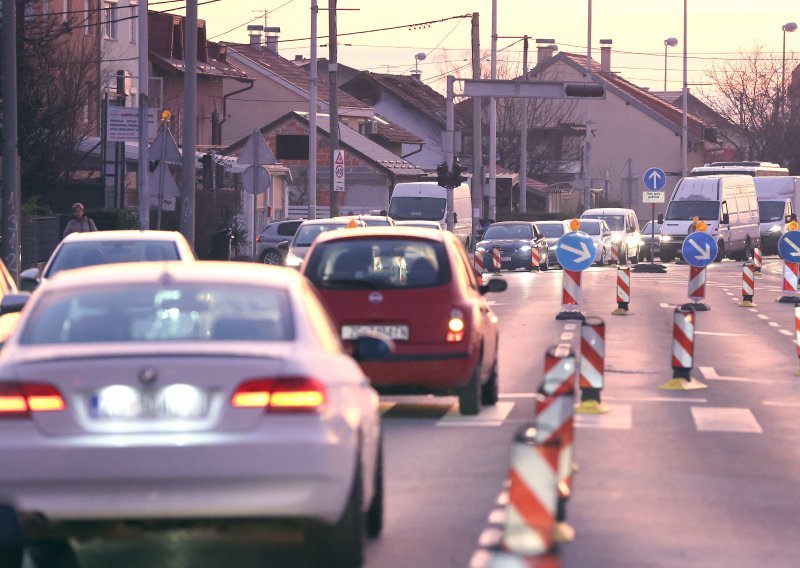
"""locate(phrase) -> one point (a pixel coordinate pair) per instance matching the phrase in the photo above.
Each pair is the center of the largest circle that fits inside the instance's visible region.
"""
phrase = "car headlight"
(524, 248)
(293, 260)
(665, 238)
(775, 229)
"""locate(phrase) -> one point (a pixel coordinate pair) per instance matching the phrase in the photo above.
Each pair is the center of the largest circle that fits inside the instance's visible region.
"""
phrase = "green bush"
(114, 219)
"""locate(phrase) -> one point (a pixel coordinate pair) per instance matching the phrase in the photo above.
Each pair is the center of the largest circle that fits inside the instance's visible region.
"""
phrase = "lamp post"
(669, 42)
(787, 27)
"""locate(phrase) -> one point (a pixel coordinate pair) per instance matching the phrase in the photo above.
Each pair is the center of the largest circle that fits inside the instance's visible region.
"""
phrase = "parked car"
(515, 239)
(78, 250)
(421, 224)
(600, 234)
(552, 231)
(267, 242)
(371, 220)
(171, 393)
(310, 230)
(648, 242)
(418, 287)
(624, 230)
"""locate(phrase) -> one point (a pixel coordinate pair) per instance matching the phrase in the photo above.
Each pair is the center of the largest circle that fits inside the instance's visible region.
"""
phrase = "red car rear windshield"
(378, 264)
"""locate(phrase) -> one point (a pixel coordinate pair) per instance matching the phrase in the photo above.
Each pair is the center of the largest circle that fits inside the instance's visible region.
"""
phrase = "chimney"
(417, 74)
(272, 38)
(545, 48)
(605, 55)
(255, 34)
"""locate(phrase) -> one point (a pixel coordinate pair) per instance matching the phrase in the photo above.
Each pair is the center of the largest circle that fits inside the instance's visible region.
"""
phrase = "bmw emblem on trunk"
(148, 376)
(376, 298)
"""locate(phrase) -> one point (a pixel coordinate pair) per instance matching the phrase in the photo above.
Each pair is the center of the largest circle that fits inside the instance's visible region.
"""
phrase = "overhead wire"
(253, 20)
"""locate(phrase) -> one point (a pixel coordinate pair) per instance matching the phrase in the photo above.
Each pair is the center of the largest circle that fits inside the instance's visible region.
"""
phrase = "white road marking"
(489, 416)
(763, 317)
(502, 499)
(709, 373)
(729, 293)
(717, 419)
(773, 324)
(490, 537)
(480, 559)
(620, 418)
(497, 516)
(719, 333)
(570, 326)
(518, 395)
(567, 336)
(781, 403)
(786, 332)
(653, 399)
(664, 305)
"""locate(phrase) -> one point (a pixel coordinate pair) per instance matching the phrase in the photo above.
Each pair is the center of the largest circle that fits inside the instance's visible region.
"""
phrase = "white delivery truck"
(777, 198)
(427, 200)
(728, 205)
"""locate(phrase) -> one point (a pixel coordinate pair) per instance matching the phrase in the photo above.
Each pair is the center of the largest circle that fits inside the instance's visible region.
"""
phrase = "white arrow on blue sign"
(575, 251)
(655, 179)
(699, 249)
(789, 246)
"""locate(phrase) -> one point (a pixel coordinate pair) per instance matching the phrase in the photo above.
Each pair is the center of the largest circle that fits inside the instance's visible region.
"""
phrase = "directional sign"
(699, 249)
(655, 179)
(256, 179)
(575, 251)
(338, 171)
(789, 246)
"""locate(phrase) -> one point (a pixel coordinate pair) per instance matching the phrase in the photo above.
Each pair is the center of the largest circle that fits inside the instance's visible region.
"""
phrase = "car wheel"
(271, 256)
(374, 520)
(341, 545)
(720, 251)
(490, 391)
(469, 397)
(52, 554)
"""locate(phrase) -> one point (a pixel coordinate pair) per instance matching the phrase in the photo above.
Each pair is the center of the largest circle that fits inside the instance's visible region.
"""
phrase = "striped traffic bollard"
(571, 296)
(535, 262)
(592, 366)
(555, 418)
(614, 253)
(797, 331)
(497, 259)
(748, 284)
(683, 352)
(478, 260)
(789, 283)
(697, 290)
(757, 261)
(623, 290)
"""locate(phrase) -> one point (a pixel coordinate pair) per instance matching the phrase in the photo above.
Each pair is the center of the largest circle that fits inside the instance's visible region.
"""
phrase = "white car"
(78, 250)
(624, 227)
(310, 230)
(180, 392)
(600, 233)
(420, 224)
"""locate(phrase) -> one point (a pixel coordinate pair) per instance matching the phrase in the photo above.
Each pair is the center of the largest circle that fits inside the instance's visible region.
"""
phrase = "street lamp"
(787, 27)
(669, 42)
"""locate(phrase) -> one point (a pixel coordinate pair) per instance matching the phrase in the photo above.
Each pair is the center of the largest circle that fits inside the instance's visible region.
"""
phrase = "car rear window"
(307, 233)
(551, 231)
(81, 254)
(161, 313)
(378, 264)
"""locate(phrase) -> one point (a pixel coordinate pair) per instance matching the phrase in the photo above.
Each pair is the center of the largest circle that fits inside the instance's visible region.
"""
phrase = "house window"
(134, 17)
(109, 24)
(291, 146)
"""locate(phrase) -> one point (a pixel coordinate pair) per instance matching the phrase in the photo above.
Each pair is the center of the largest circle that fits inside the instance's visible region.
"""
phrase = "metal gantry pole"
(11, 198)
(477, 134)
(587, 162)
(493, 123)
(685, 117)
(523, 138)
(312, 119)
(333, 101)
(451, 121)
(189, 172)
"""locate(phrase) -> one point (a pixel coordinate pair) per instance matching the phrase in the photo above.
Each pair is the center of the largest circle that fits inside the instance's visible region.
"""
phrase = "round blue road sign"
(655, 179)
(575, 251)
(789, 246)
(699, 249)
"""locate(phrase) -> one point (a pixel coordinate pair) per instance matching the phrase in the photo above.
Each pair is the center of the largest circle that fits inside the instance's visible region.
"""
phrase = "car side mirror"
(29, 279)
(283, 246)
(383, 212)
(788, 219)
(372, 348)
(660, 218)
(726, 219)
(14, 303)
(494, 285)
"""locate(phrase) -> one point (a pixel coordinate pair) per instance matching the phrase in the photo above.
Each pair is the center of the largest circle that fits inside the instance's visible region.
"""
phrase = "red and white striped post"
(535, 261)
(797, 330)
(497, 259)
(748, 284)
(683, 352)
(614, 252)
(571, 295)
(591, 376)
(478, 260)
(790, 270)
(697, 289)
(757, 260)
(623, 290)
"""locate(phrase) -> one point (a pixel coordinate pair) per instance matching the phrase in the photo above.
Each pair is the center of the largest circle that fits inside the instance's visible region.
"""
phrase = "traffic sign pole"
(575, 253)
(654, 180)
(699, 250)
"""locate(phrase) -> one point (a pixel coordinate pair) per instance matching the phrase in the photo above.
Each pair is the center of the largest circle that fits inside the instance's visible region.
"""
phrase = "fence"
(39, 238)
(301, 211)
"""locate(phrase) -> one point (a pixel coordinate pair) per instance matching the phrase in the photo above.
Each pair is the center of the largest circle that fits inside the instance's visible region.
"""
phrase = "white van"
(624, 225)
(777, 198)
(728, 205)
(427, 200)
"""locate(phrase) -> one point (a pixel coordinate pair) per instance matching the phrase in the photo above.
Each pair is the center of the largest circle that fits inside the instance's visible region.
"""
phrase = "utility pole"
(142, 190)
(189, 173)
(312, 118)
(333, 101)
(11, 198)
(493, 124)
(523, 138)
(477, 134)
(451, 148)
(587, 161)
(684, 118)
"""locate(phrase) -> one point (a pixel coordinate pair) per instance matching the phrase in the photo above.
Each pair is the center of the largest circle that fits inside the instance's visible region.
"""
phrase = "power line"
(251, 21)
(484, 58)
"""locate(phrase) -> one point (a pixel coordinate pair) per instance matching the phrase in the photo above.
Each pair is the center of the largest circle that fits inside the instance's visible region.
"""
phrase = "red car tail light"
(20, 399)
(456, 326)
(284, 394)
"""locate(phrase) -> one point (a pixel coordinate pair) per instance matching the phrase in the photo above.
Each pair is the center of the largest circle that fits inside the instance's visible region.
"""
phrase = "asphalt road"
(694, 478)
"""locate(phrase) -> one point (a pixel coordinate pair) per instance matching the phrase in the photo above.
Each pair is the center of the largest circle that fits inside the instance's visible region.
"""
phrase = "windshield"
(411, 208)
(615, 222)
(81, 254)
(687, 210)
(770, 211)
(378, 264)
(307, 233)
(195, 312)
(590, 227)
(648, 228)
(509, 232)
(551, 230)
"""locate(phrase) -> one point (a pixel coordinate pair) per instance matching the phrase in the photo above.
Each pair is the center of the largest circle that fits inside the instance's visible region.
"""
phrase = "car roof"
(511, 223)
(124, 236)
(607, 211)
(553, 222)
(383, 232)
(329, 221)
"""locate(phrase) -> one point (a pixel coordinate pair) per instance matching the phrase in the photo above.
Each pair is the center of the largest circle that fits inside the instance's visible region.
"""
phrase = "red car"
(417, 287)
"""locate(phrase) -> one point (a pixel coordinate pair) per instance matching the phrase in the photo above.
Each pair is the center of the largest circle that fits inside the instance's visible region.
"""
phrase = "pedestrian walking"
(81, 223)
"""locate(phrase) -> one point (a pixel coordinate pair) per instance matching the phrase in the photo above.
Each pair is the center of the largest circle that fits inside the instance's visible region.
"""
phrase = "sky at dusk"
(718, 30)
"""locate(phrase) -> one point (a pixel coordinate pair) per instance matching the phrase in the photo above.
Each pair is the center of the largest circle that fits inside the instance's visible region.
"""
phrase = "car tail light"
(284, 394)
(20, 399)
(258, 239)
(456, 326)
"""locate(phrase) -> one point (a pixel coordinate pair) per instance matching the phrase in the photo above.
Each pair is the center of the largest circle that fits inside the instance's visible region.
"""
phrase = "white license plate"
(506, 259)
(396, 332)
(121, 402)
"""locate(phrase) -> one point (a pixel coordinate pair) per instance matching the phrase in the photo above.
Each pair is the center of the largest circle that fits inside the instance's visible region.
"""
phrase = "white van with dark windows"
(777, 199)
(728, 205)
(427, 201)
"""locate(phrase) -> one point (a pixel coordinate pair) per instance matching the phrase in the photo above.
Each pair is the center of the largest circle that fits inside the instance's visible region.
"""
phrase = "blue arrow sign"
(789, 246)
(655, 179)
(699, 249)
(575, 251)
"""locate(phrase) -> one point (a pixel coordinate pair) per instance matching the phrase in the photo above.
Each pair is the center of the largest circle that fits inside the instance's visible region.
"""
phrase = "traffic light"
(455, 179)
(584, 90)
(442, 175)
